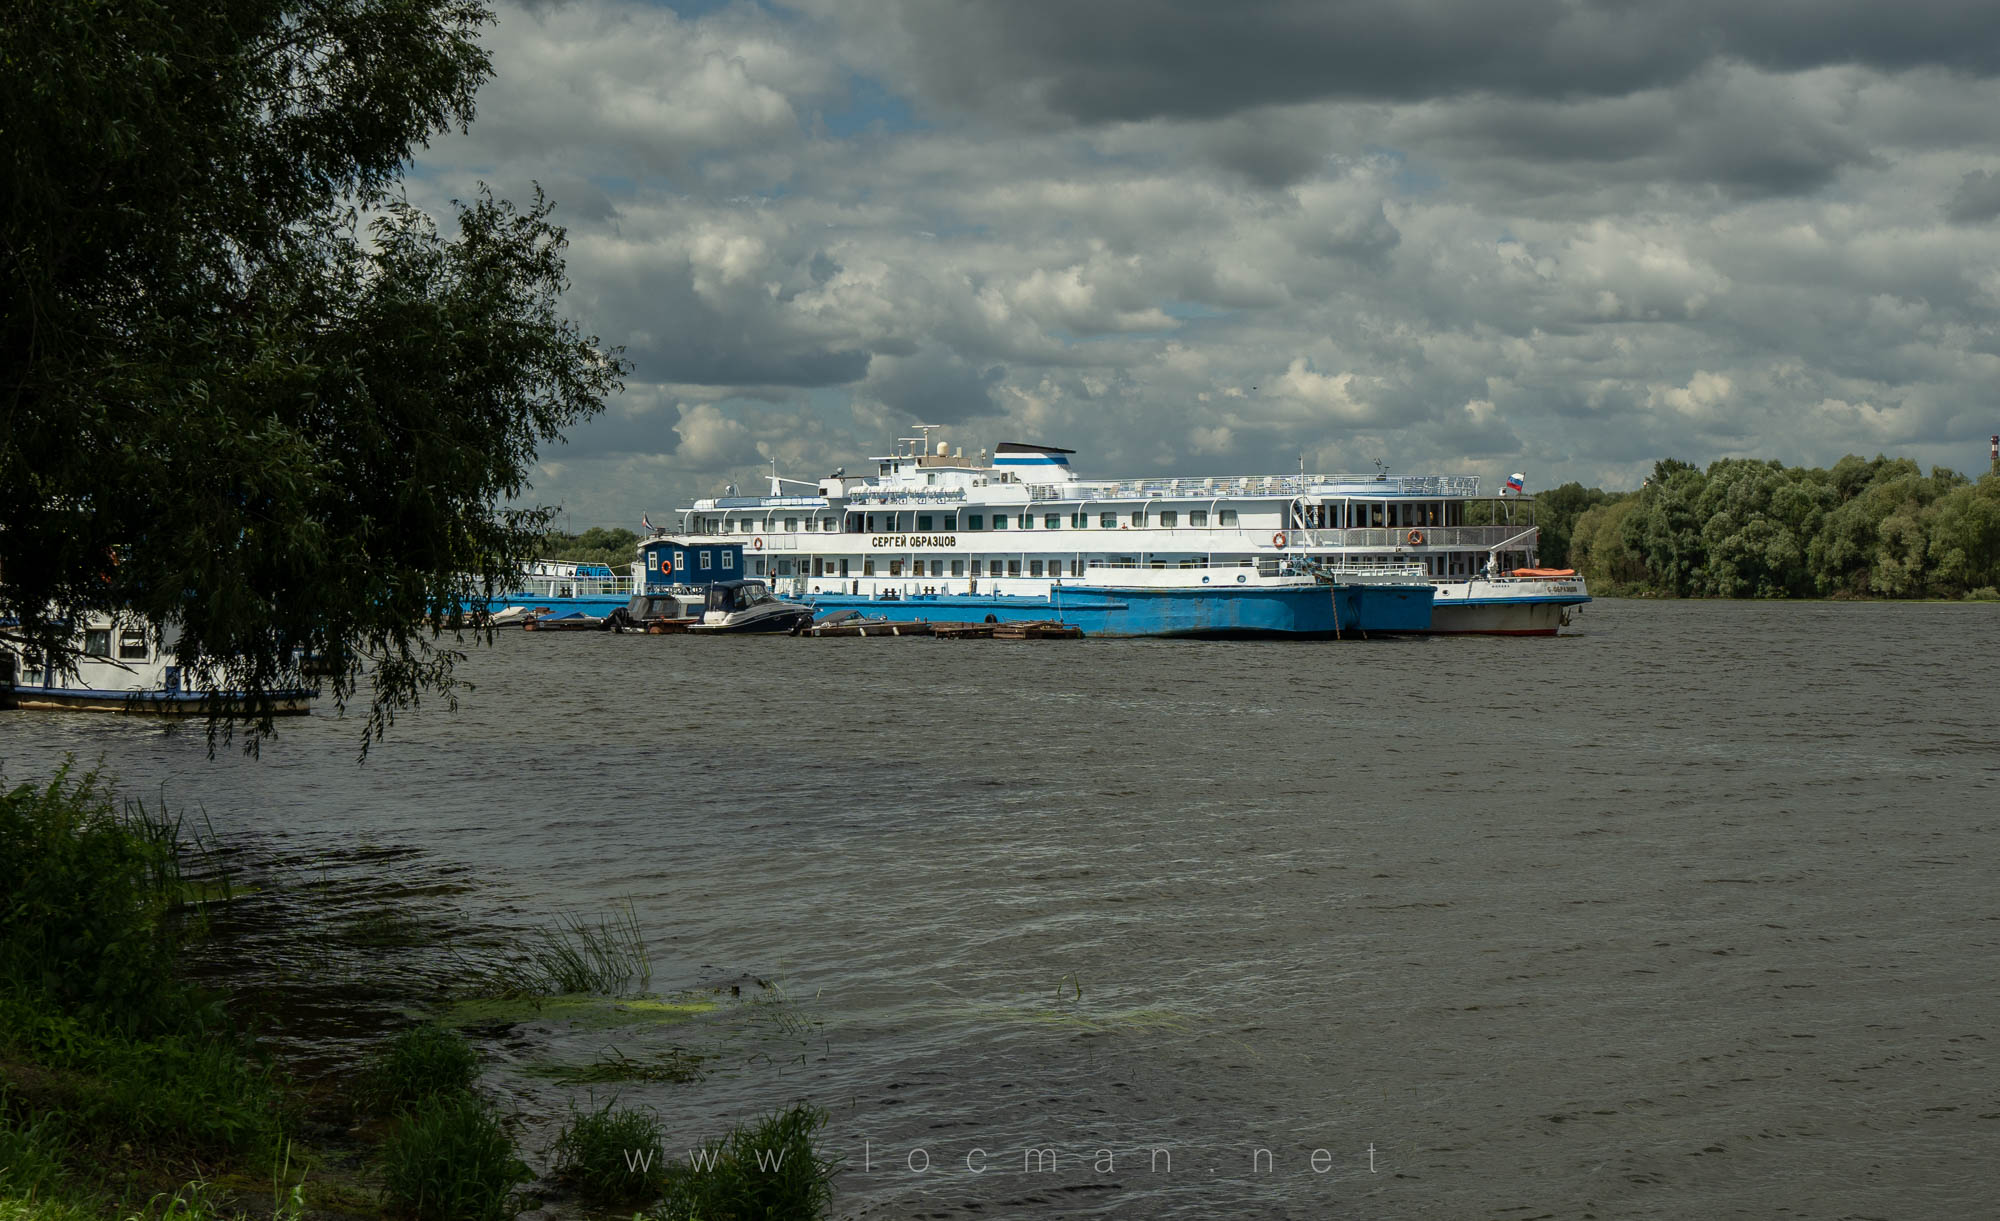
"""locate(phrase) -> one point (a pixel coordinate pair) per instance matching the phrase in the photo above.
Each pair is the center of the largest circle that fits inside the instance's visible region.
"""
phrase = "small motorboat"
(749, 606)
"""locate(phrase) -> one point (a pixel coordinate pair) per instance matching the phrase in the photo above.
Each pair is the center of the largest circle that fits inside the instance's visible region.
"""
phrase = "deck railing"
(1481, 537)
(1347, 486)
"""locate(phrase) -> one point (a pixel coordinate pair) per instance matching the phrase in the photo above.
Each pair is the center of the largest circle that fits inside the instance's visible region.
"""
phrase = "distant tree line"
(1749, 529)
(597, 545)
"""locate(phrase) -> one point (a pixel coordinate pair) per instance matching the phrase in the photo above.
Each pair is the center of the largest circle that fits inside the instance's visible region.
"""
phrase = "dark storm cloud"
(1751, 134)
(719, 360)
(1123, 60)
(1977, 198)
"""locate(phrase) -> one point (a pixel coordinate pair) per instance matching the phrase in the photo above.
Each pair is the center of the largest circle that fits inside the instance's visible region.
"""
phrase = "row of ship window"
(869, 567)
(931, 523)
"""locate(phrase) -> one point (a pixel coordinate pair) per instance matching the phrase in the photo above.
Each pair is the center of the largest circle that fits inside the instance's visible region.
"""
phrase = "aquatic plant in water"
(606, 956)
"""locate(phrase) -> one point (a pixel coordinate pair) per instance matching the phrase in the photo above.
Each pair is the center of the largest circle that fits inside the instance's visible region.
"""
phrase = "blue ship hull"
(1296, 611)
(1394, 608)
(1312, 611)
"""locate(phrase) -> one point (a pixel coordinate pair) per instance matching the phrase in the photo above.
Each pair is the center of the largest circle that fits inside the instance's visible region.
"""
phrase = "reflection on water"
(1687, 914)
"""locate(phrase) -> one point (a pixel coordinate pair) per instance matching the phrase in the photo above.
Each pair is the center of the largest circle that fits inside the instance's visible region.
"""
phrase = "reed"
(422, 1062)
(606, 956)
(771, 1169)
(611, 1155)
(449, 1159)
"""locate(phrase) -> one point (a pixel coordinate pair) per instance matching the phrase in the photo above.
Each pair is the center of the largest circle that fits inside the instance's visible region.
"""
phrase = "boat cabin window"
(999, 521)
(895, 568)
(975, 521)
(1034, 568)
(1226, 517)
(868, 566)
(791, 525)
(729, 559)
(131, 646)
(97, 642)
(923, 523)
(1139, 520)
(1197, 518)
(1013, 568)
(1169, 519)
(958, 568)
(705, 560)
(1027, 521)
(1108, 520)
(993, 569)
(1079, 521)
(1052, 521)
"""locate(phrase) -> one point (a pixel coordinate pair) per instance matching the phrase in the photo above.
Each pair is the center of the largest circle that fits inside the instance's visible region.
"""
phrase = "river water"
(1690, 912)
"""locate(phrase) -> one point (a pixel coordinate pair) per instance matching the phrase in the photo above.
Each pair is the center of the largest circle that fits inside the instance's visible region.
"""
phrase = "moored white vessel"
(933, 523)
(120, 666)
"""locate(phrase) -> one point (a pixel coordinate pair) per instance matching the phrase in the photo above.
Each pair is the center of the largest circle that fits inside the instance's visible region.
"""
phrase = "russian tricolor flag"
(1516, 482)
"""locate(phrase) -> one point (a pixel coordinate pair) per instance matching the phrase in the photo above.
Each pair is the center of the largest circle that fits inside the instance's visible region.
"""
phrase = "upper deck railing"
(1348, 486)
(1481, 537)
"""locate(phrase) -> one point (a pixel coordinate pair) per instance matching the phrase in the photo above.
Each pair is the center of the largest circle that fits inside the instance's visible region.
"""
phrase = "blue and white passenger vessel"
(944, 534)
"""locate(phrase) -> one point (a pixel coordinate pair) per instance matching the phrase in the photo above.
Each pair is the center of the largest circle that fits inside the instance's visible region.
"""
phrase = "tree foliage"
(245, 388)
(1750, 529)
(613, 545)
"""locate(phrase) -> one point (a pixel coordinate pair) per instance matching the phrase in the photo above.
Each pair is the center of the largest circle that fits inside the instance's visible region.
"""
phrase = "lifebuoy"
(1416, 538)
(757, 544)
(666, 565)
(1278, 539)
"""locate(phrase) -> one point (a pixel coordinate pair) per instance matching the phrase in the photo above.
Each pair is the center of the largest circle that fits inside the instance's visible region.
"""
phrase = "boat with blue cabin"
(935, 534)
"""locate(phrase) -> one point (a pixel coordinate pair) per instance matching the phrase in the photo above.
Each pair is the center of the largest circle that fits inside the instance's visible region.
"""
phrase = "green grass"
(606, 956)
(449, 1159)
(762, 1173)
(32, 1152)
(420, 1062)
(171, 1093)
(612, 1156)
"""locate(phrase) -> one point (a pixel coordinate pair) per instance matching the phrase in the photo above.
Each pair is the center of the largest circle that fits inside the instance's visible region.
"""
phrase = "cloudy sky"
(1184, 236)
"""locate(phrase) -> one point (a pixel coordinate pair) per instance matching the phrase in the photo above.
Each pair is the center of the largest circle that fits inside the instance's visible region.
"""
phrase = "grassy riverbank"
(129, 1092)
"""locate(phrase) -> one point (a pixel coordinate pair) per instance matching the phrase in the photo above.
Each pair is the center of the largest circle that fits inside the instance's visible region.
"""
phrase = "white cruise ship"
(931, 522)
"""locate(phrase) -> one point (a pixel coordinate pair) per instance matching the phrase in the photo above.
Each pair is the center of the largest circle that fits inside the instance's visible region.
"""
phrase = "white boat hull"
(1506, 607)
